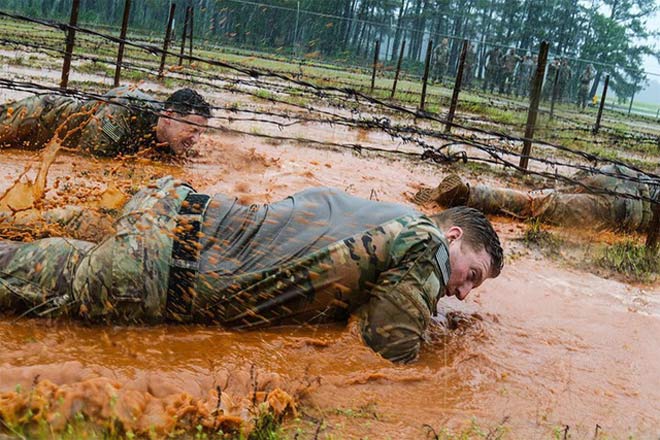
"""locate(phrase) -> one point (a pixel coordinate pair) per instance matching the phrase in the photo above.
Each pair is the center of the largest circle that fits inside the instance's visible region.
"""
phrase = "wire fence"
(345, 106)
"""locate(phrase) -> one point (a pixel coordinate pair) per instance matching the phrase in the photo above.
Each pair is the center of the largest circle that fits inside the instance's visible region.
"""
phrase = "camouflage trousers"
(123, 278)
(31, 122)
(565, 208)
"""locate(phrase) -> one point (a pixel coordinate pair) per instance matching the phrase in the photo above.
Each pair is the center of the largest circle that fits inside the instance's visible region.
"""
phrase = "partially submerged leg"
(36, 277)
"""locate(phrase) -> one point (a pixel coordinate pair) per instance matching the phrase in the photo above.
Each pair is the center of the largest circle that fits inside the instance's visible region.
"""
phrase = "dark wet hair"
(478, 232)
(187, 102)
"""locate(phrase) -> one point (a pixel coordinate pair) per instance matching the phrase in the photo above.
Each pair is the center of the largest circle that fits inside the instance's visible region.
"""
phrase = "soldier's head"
(475, 252)
(445, 41)
(184, 118)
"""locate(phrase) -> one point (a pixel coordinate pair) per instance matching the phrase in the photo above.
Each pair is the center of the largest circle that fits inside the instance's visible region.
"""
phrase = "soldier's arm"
(405, 297)
(105, 132)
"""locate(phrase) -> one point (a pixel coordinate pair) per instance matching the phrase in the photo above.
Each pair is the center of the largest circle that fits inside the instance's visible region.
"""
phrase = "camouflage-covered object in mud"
(108, 129)
(317, 256)
(578, 206)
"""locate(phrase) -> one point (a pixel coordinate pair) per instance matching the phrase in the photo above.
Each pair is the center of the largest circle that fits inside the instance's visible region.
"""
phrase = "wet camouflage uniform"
(578, 208)
(563, 82)
(583, 91)
(440, 61)
(549, 83)
(508, 65)
(317, 256)
(110, 129)
(493, 69)
(525, 76)
(468, 67)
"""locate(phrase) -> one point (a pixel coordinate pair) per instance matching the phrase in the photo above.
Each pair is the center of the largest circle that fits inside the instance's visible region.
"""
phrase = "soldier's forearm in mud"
(72, 221)
(400, 307)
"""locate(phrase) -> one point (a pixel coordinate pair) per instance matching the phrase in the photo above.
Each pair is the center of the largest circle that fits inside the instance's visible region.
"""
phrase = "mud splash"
(540, 348)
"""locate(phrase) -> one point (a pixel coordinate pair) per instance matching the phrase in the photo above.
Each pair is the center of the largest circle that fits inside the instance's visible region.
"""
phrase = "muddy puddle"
(538, 349)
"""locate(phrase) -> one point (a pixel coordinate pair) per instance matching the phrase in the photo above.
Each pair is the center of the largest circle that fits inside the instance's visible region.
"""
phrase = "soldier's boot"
(451, 191)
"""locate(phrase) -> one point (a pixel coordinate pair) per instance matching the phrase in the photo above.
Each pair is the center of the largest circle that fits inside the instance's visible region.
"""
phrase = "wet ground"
(540, 348)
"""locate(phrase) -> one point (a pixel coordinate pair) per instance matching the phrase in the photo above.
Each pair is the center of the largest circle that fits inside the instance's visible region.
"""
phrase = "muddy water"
(538, 348)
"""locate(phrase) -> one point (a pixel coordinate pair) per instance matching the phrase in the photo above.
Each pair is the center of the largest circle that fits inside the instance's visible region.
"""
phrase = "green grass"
(631, 259)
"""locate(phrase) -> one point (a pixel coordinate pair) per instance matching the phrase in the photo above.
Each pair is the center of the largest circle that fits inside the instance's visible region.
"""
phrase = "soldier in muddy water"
(123, 121)
(586, 204)
(320, 255)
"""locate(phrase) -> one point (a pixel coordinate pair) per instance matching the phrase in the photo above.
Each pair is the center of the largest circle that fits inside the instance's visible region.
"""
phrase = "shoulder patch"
(111, 130)
(442, 260)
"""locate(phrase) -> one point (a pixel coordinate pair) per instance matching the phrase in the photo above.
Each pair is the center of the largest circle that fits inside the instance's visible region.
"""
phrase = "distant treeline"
(609, 32)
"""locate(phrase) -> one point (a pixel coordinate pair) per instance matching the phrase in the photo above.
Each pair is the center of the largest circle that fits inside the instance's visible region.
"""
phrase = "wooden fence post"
(429, 49)
(70, 40)
(398, 69)
(457, 86)
(183, 35)
(373, 73)
(554, 93)
(537, 83)
(602, 104)
(191, 33)
(122, 37)
(166, 43)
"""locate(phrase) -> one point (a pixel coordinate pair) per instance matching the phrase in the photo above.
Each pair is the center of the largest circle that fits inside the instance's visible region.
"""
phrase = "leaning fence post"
(122, 37)
(534, 105)
(183, 35)
(191, 33)
(70, 39)
(554, 93)
(166, 43)
(602, 104)
(427, 64)
(398, 69)
(457, 87)
(373, 74)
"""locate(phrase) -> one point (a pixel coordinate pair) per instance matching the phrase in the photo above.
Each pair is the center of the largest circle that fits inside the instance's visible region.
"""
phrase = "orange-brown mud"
(538, 348)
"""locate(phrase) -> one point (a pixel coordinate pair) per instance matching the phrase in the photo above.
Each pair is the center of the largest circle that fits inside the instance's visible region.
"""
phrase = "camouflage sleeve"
(106, 130)
(405, 296)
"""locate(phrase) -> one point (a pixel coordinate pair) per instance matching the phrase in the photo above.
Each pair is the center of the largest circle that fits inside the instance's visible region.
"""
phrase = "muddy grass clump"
(631, 259)
(538, 238)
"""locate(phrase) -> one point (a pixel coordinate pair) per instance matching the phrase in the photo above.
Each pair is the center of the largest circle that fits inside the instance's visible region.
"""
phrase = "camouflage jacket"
(122, 127)
(317, 256)
(320, 256)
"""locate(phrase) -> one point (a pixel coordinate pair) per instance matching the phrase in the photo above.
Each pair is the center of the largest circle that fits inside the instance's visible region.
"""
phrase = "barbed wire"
(407, 133)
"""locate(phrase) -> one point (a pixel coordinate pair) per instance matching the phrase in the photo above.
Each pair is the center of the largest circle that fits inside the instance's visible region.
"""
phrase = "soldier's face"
(469, 268)
(181, 133)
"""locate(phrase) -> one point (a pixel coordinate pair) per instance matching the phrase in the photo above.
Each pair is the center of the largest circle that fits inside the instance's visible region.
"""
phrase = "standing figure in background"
(585, 85)
(493, 65)
(468, 68)
(508, 66)
(549, 83)
(565, 75)
(525, 74)
(440, 60)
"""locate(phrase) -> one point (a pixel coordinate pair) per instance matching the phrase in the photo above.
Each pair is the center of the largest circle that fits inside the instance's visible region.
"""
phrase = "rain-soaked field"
(543, 347)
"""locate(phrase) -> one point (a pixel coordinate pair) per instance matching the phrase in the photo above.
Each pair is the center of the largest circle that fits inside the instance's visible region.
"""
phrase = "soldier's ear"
(453, 233)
